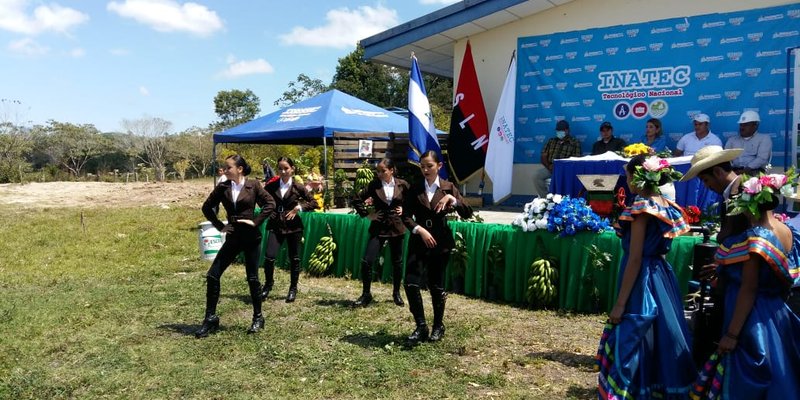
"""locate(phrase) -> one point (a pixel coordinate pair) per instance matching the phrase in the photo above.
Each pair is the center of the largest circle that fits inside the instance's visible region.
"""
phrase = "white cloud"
(77, 52)
(246, 67)
(144, 91)
(170, 16)
(344, 27)
(119, 52)
(442, 2)
(53, 17)
(28, 47)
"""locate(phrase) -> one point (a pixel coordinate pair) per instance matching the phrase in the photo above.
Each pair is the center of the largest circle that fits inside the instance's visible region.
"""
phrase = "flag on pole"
(468, 138)
(421, 132)
(500, 155)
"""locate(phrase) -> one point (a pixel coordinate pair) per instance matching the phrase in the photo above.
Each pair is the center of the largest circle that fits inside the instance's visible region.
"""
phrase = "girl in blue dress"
(759, 352)
(645, 349)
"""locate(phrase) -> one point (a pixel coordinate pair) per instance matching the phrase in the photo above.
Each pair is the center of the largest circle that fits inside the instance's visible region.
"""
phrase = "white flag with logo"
(500, 154)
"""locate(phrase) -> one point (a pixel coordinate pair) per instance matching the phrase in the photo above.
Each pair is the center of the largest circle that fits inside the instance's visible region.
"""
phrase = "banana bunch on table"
(542, 289)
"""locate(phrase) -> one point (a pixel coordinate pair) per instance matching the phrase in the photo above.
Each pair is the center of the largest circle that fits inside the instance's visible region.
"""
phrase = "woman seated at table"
(654, 136)
(760, 348)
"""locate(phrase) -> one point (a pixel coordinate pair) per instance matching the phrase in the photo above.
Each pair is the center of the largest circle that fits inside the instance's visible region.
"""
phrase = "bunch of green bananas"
(542, 289)
(322, 257)
(364, 176)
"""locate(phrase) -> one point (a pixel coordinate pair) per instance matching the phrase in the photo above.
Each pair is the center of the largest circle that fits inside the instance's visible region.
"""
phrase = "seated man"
(607, 140)
(562, 146)
(691, 142)
(757, 146)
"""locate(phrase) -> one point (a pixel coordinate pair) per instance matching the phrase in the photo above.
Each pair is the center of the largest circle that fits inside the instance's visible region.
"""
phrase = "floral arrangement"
(535, 214)
(561, 214)
(693, 215)
(573, 215)
(761, 189)
(649, 174)
(635, 149)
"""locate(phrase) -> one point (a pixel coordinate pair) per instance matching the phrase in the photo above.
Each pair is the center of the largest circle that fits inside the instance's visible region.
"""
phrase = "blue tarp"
(308, 121)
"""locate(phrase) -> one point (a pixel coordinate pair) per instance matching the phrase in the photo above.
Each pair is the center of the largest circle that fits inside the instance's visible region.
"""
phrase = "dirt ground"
(94, 194)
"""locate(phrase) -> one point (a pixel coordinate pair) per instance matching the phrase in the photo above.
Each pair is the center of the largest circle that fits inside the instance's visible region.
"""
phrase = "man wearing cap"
(563, 145)
(691, 142)
(607, 140)
(757, 146)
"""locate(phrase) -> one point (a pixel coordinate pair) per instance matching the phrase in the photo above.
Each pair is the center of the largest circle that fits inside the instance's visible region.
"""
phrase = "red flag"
(469, 129)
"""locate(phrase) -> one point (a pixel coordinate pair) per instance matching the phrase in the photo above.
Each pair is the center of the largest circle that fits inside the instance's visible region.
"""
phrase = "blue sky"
(99, 62)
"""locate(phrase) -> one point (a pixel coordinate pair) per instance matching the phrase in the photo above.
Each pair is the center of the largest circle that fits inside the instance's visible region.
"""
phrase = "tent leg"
(325, 158)
(214, 163)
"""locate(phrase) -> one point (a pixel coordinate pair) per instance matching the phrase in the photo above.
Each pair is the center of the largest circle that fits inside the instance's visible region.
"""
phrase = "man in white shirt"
(757, 146)
(691, 142)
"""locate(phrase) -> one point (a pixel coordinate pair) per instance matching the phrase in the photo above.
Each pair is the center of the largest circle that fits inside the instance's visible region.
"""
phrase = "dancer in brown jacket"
(284, 225)
(429, 248)
(386, 194)
(239, 196)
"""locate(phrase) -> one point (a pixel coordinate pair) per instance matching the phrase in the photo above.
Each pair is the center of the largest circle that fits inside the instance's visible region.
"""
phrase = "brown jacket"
(422, 211)
(385, 222)
(297, 194)
(252, 193)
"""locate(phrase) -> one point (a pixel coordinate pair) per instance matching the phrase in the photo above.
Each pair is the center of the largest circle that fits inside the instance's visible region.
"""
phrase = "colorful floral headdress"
(648, 175)
(760, 190)
(635, 149)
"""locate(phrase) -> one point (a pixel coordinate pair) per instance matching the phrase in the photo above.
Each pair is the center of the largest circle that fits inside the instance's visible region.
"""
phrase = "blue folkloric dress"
(648, 354)
(766, 361)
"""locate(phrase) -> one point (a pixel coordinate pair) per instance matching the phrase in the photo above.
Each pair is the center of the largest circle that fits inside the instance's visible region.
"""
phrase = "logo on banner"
(533, 59)
(639, 110)
(736, 21)
(608, 36)
(732, 94)
(752, 72)
(592, 53)
(632, 33)
(703, 42)
(590, 68)
(646, 78)
(571, 55)
(773, 17)
(755, 37)
(658, 108)
(701, 76)
(622, 110)
(715, 24)
(682, 27)
(612, 50)
(586, 38)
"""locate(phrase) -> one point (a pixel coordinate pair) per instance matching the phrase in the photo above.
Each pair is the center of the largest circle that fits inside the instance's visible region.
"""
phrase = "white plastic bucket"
(211, 240)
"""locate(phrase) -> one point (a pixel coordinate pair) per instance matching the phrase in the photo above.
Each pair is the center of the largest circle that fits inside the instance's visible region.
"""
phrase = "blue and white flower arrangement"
(564, 215)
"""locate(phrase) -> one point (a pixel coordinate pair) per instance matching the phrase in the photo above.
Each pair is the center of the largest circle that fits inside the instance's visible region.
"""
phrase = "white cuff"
(415, 230)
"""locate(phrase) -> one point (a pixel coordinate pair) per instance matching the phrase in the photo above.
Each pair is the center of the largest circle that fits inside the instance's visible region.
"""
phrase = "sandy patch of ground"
(94, 194)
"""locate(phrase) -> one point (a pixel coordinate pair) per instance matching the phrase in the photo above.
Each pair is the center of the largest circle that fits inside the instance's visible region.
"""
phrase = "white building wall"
(492, 50)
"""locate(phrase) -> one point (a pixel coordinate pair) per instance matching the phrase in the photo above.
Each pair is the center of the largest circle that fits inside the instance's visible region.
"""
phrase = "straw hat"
(708, 157)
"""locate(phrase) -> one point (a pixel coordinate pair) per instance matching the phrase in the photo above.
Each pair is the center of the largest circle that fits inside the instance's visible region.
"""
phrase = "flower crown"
(760, 190)
(648, 175)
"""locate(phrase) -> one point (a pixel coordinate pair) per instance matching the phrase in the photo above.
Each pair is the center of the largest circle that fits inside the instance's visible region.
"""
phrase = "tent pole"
(214, 163)
(325, 159)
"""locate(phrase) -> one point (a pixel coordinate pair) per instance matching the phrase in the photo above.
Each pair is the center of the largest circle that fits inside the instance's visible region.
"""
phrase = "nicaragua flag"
(421, 132)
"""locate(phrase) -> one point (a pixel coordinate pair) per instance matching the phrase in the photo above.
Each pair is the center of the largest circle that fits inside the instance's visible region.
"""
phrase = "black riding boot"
(414, 296)
(439, 298)
(255, 297)
(397, 277)
(269, 279)
(366, 283)
(211, 320)
(294, 277)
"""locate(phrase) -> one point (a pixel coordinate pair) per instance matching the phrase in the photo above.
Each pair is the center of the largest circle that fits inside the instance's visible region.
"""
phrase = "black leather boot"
(269, 279)
(366, 284)
(211, 320)
(294, 277)
(396, 280)
(257, 325)
(414, 296)
(439, 298)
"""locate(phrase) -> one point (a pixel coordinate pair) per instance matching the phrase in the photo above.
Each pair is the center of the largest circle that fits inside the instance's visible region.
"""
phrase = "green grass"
(107, 308)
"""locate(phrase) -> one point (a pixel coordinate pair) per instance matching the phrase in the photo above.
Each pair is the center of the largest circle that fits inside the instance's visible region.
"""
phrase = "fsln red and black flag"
(469, 130)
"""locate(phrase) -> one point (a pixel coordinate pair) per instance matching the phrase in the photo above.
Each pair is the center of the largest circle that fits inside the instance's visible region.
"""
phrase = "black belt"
(428, 223)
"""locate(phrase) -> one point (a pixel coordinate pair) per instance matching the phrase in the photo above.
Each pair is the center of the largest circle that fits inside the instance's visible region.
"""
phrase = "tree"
(194, 145)
(301, 89)
(15, 142)
(149, 134)
(73, 146)
(235, 107)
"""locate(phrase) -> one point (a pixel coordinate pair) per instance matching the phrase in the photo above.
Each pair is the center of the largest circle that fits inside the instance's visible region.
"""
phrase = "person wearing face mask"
(563, 145)
(757, 147)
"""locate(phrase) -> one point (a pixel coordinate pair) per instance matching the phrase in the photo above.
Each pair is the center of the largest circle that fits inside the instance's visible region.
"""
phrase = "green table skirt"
(502, 282)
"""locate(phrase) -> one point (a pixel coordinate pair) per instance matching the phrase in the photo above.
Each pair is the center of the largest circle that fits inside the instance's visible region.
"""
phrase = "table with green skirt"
(506, 282)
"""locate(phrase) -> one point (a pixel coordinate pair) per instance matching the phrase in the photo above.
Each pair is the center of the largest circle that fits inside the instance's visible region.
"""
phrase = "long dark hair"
(657, 123)
(287, 159)
(388, 163)
(241, 162)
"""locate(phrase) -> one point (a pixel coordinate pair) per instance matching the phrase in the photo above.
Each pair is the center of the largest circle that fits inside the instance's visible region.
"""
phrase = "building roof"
(432, 37)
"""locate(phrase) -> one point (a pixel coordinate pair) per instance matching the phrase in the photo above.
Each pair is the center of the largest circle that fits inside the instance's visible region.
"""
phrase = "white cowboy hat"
(708, 157)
